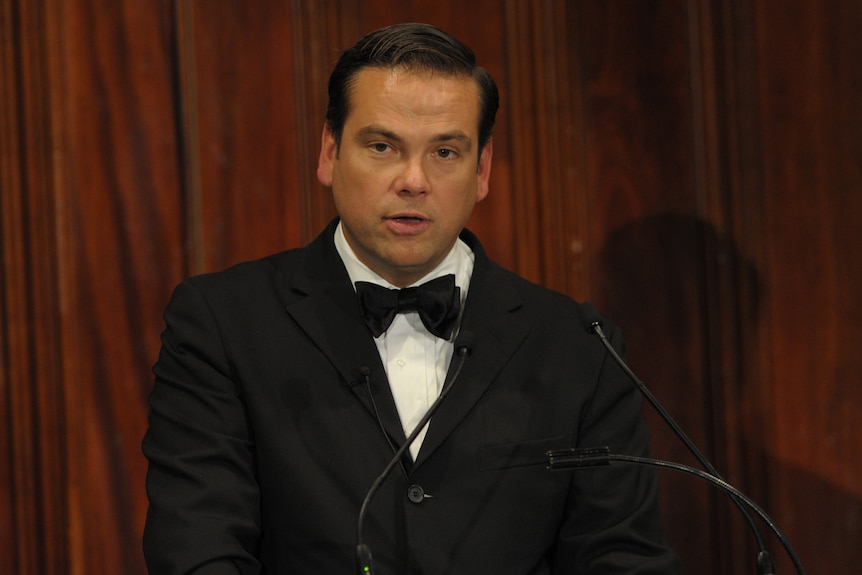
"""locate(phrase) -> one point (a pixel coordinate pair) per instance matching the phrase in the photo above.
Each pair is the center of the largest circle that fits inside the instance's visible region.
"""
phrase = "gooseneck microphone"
(463, 349)
(765, 564)
(593, 457)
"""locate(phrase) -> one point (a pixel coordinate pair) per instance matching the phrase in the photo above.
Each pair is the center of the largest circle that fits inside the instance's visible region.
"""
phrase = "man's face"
(408, 172)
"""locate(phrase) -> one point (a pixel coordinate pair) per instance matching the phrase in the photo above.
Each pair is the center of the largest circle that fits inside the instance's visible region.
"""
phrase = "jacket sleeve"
(612, 524)
(204, 512)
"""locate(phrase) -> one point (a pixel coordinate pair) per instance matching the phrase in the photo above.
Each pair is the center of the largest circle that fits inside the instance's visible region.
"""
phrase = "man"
(277, 403)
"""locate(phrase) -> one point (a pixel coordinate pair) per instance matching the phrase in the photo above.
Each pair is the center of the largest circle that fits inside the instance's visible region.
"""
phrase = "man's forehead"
(372, 87)
(380, 79)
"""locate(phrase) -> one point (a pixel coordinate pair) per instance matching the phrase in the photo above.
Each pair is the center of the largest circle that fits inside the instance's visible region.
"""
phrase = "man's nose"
(413, 180)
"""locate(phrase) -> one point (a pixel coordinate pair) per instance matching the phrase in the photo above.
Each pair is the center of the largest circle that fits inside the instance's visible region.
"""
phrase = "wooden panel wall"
(100, 229)
(808, 248)
(692, 166)
(33, 458)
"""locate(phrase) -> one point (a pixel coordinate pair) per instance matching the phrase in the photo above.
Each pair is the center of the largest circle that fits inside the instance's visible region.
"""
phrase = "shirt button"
(415, 494)
(400, 362)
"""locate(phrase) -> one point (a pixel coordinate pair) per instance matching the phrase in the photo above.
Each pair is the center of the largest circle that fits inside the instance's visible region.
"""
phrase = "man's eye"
(445, 153)
(380, 147)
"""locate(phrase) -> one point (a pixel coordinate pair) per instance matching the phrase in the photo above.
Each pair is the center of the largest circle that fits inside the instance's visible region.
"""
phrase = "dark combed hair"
(413, 46)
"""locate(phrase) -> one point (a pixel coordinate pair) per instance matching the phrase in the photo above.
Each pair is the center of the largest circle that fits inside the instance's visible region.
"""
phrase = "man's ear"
(328, 155)
(484, 170)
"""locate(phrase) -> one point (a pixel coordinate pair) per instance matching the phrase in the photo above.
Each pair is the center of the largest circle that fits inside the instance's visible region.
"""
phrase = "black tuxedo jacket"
(264, 438)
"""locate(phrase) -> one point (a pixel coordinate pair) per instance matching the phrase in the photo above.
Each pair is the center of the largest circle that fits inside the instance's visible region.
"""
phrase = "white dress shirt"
(415, 360)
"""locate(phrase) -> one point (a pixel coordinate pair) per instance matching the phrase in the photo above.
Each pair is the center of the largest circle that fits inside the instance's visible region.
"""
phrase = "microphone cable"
(364, 563)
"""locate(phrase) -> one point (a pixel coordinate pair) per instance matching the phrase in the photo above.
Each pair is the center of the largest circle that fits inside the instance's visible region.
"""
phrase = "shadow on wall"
(684, 297)
(688, 302)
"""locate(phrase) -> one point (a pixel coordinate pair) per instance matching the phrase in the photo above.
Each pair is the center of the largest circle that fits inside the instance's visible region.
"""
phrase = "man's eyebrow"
(379, 131)
(457, 135)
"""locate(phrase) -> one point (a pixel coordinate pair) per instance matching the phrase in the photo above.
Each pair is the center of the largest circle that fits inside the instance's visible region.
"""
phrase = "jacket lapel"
(320, 298)
(488, 313)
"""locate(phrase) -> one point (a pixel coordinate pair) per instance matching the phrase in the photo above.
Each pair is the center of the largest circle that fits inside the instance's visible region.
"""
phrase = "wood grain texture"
(653, 247)
(544, 107)
(33, 498)
(239, 79)
(810, 135)
(125, 219)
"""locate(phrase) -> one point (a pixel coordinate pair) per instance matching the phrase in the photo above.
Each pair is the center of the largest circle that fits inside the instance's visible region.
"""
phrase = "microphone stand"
(593, 457)
(364, 564)
(765, 564)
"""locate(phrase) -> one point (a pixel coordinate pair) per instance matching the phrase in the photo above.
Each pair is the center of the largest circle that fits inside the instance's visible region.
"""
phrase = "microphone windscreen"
(359, 375)
(592, 317)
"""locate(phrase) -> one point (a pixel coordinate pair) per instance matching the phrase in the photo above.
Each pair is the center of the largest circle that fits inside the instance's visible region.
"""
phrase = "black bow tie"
(437, 302)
